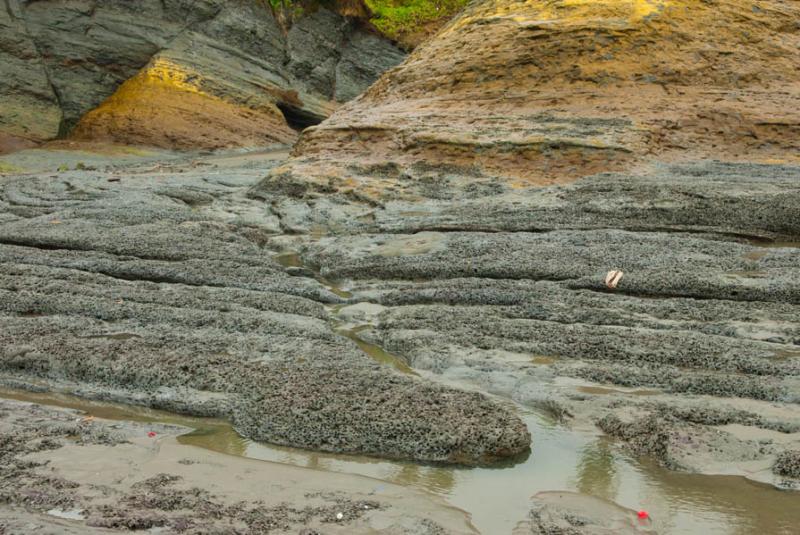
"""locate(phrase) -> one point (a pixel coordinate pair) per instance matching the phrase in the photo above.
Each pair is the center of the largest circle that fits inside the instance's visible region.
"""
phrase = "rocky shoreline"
(178, 305)
(421, 279)
(164, 284)
(693, 358)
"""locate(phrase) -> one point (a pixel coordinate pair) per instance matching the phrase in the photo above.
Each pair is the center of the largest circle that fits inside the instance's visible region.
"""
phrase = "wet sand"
(138, 481)
(561, 460)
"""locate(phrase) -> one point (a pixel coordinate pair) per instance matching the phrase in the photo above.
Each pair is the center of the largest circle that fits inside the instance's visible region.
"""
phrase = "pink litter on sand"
(151, 434)
(644, 515)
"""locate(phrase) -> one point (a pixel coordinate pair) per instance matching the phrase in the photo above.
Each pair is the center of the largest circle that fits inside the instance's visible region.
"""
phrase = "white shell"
(612, 278)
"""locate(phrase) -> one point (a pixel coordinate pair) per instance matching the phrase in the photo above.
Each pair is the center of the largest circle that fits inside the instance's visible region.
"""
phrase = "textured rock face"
(61, 60)
(494, 178)
(361, 60)
(183, 100)
(540, 92)
(28, 104)
(335, 60)
(156, 288)
(89, 47)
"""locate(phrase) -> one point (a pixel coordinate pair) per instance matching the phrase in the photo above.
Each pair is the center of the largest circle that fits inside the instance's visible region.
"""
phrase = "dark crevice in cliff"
(298, 118)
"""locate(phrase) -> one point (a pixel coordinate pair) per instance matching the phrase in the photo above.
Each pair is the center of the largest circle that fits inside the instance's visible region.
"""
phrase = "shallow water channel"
(498, 497)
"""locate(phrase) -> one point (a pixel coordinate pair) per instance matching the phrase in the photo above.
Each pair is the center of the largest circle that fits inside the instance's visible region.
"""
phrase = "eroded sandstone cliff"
(540, 92)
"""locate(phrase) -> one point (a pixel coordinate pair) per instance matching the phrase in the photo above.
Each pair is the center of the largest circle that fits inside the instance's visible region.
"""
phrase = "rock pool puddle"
(763, 247)
(499, 497)
(293, 260)
(67, 514)
(375, 352)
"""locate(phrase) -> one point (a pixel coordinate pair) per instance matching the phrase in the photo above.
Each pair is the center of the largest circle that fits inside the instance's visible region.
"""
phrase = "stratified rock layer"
(156, 289)
(540, 92)
(28, 105)
(241, 76)
(169, 104)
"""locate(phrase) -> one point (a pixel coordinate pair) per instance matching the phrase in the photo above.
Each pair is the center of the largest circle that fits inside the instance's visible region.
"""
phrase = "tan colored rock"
(167, 105)
(519, 94)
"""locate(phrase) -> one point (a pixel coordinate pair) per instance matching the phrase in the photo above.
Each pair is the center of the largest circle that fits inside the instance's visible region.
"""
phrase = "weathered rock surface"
(469, 223)
(162, 288)
(202, 74)
(692, 359)
(494, 178)
(28, 104)
(183, 100)
(156, 289)
(520, 94)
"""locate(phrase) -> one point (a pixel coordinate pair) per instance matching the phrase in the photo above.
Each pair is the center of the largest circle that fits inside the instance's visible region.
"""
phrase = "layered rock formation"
(200, 74)
(452, 201)
(542, 92)
(477, 195)
(156, 289)
(28, 105)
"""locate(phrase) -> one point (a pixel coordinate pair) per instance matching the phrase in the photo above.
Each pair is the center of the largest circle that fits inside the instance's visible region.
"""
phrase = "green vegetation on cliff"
(407, 22)
(398, 18)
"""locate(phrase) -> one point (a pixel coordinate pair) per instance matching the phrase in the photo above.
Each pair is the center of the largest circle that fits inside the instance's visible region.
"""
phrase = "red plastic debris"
(151, 434)
(644, 515)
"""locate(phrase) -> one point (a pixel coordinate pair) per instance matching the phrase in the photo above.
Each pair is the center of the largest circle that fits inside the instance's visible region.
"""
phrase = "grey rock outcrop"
(177, 304)
(363, 58)
(28, 104)
(59, 60)
(334, 58)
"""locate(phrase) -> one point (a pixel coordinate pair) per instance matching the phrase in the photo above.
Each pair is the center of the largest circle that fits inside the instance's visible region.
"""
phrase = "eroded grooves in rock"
(478, 194)
(692, 359)
(175, 305)
(459, 220)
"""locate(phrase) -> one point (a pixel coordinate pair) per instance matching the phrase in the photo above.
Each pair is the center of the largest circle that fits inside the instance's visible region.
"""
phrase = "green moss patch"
(396, 18)
(7, 168)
